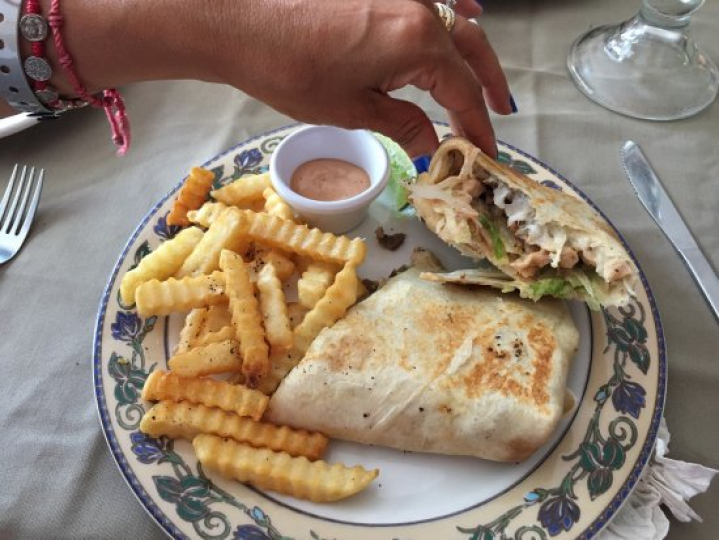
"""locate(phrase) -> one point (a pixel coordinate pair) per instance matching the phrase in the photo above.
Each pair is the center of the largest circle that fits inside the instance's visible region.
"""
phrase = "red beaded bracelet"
(110, 99)
(34, 28)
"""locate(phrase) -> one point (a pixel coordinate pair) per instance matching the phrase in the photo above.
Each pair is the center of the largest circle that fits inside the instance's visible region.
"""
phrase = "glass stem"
(669, 14)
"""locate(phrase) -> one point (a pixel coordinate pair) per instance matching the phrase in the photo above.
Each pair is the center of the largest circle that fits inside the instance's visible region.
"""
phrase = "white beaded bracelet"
(14, 86)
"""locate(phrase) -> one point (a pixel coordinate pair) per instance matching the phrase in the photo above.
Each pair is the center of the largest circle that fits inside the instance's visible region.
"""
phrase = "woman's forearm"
(318, 61)
(115, 42)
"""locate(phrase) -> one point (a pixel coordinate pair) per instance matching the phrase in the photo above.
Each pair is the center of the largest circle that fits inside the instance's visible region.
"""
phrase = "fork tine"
(5, 227)
(19, 216)
(33, 206)
(8, 191)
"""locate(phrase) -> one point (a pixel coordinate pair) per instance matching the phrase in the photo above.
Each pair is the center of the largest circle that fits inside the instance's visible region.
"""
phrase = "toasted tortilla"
(435, 368)
(456, 201)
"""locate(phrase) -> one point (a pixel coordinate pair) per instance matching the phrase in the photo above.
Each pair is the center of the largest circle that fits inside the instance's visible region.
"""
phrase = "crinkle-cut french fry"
(302, 263)
(194, 323)
(223, 334)
(282, 364)
(290, 236)
(255, 206)
(204, 326)
(161, 263)
(211, 359)
(296, 312)
(164, 386)
(314, 282)
(218, 317)
(174, 295)
(274, 310)
(207, 214)
(227, 232)
(184, 420)
(276, 206)
(246, 318)
(191, 196)
(243, 191)
(217, 326)
(251, 255)
(282, 263)
(235, 378)
(332, 306)
(257, 256)
(316, 481)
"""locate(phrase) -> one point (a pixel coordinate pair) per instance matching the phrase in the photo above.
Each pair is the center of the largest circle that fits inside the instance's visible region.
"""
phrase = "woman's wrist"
(115, 42)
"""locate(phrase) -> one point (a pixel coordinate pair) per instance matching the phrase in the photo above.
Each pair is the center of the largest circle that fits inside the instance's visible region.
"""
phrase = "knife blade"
(660, 207)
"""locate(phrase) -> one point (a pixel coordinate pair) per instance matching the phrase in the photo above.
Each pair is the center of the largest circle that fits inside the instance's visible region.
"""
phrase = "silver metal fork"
(17, 210)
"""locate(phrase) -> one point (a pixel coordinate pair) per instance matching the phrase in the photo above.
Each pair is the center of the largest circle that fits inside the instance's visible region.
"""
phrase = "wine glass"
(646, 67)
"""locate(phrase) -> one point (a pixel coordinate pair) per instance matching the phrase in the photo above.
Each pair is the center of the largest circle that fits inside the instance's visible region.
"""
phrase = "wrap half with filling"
(435, 368)
(545, 242)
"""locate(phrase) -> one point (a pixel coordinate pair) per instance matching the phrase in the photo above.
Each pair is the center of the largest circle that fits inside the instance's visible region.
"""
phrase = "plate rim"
(149, 505)
(630, 483)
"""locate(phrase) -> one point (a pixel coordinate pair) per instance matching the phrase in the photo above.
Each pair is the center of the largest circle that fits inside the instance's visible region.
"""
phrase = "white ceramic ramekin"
(358, 147)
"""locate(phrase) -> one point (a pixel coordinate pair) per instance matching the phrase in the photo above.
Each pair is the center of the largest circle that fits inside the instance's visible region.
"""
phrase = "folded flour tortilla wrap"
(435, 368)
(544, 241)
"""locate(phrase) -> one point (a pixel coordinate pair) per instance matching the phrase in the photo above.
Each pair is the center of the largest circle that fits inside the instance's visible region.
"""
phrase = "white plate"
(570, 488)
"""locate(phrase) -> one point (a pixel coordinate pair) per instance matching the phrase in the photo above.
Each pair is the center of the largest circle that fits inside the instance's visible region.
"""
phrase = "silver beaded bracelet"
(14, 86)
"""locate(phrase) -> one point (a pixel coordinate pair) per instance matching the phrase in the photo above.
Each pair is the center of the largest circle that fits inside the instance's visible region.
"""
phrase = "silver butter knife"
(655, 199)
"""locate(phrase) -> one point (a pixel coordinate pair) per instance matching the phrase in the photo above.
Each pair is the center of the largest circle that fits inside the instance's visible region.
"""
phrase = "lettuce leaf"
(582, 284)
(595, 289)
(497, 243)
(554, 286)
(402, 171)
(576, 283)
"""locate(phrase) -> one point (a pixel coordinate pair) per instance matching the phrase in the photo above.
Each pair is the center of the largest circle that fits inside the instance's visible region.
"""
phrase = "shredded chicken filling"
(547, 244)
(529, 245)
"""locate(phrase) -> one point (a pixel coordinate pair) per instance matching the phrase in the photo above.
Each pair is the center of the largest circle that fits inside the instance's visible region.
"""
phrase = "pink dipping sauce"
(329, 180)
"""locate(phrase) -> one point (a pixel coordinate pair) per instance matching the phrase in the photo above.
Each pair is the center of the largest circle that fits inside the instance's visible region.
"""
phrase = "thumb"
(405, 123)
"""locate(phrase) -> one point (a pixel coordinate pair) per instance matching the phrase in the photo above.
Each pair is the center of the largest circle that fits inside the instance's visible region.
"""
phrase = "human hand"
(319, 61)
(468, 8)
(323, 61)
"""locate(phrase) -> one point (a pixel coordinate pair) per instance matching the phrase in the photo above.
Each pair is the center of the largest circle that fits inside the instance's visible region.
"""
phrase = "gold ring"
(447, 15)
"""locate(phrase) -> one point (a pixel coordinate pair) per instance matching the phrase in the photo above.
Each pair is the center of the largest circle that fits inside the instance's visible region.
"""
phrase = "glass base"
(643, 71)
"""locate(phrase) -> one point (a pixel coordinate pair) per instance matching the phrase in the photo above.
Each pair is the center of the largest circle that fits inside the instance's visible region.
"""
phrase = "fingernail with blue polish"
(422, 163)
(513, 104)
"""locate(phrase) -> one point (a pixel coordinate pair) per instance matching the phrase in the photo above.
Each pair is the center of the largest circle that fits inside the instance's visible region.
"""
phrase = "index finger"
(472, 43)
(468, 8)
(452, 84)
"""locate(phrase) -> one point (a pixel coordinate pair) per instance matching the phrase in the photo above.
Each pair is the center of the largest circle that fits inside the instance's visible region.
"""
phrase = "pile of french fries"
(227, 269)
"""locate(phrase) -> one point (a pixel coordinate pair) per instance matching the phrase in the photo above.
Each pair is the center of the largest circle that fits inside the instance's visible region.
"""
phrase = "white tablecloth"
(57, 477)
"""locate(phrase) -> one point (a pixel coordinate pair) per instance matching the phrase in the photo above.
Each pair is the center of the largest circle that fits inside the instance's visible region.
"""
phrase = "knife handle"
(14, 124)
